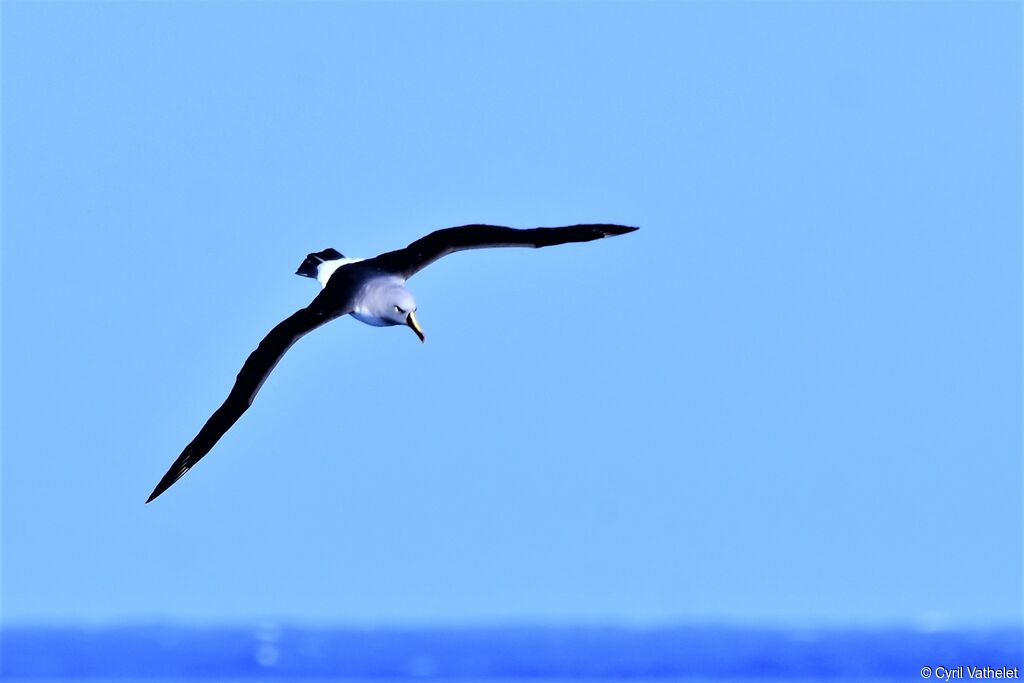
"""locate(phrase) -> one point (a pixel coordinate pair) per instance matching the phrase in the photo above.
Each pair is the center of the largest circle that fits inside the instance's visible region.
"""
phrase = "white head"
(399, 304)
(384, 304)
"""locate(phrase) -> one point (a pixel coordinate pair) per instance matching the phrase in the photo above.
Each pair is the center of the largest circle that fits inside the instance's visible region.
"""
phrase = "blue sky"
(793, 397)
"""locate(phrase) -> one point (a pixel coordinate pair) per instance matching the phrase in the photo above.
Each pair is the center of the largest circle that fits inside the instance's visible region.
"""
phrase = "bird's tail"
(308, 268)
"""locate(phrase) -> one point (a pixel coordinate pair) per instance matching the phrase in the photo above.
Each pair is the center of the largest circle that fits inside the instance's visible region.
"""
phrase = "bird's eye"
(399, 309)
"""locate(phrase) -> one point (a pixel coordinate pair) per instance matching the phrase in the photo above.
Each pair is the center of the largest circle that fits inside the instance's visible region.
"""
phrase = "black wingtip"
(168, 480)
(619, 229)
(160, 488)
(599, 230)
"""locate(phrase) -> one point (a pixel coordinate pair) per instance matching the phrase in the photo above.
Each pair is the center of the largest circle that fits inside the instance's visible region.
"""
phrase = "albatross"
(370, 290)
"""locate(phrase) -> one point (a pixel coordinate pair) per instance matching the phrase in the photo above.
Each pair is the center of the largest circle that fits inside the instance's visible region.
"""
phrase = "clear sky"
(794, 396)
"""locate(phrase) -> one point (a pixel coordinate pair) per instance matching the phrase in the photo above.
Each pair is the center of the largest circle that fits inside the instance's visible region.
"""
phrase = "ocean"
(537, 654)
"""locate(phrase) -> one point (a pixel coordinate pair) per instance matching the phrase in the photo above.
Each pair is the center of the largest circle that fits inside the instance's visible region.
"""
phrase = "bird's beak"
(412, 322)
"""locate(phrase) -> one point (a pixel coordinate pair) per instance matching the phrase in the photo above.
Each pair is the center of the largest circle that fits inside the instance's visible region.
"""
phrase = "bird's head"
(400, 309)
(383, 302)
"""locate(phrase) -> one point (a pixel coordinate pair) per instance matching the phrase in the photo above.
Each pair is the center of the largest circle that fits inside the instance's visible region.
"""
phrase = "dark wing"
(250, 378)
(424, 251)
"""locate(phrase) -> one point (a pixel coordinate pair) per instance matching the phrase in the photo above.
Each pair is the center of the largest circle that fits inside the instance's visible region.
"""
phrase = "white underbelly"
(371, 319)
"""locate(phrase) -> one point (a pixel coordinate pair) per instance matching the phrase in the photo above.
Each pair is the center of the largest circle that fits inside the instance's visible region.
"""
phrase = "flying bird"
(370, 290)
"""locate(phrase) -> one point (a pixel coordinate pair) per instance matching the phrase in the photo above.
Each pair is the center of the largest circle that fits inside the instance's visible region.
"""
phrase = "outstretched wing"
(424, 251)
(250, 378)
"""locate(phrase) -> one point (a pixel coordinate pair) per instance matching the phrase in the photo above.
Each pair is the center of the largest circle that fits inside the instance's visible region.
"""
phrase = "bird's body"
(372, 291)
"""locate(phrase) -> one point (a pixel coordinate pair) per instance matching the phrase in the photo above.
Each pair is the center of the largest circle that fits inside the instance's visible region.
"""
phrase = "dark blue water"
(476, 654)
